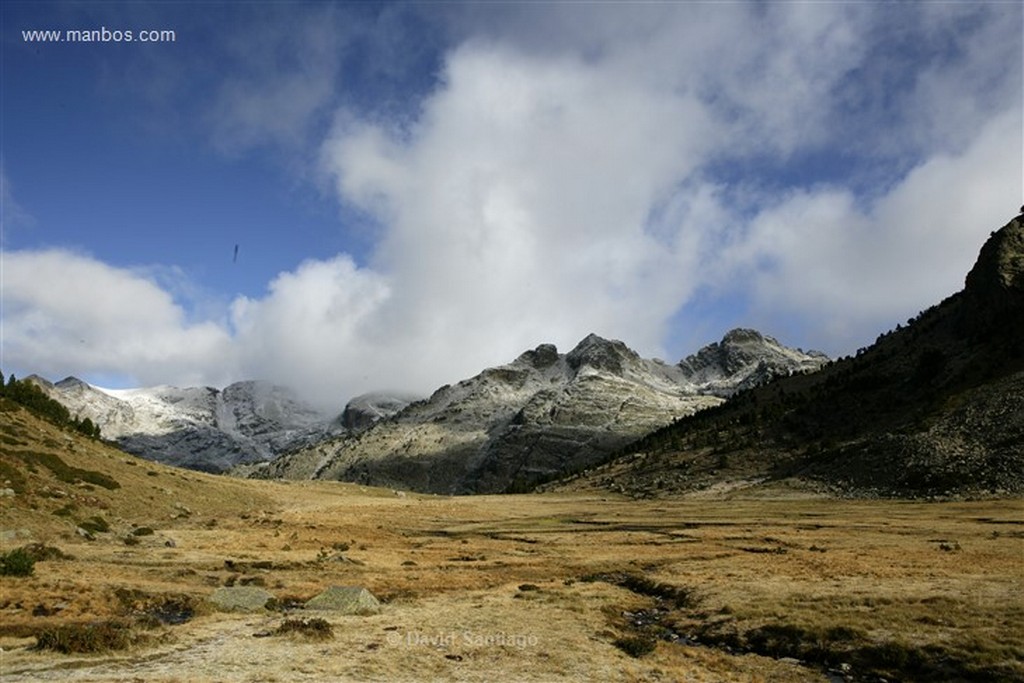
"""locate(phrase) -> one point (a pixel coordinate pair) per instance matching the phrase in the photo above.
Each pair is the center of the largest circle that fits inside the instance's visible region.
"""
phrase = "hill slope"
(933, 408)
(52, 480)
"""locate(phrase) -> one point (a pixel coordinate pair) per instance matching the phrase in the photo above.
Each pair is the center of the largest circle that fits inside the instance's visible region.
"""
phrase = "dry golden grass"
(511, 587)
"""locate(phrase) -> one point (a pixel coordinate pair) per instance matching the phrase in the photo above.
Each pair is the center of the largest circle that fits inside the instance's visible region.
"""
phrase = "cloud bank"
(826, 169)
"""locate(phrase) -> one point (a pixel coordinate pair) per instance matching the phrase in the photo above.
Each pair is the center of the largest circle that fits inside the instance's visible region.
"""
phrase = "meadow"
(760, 586)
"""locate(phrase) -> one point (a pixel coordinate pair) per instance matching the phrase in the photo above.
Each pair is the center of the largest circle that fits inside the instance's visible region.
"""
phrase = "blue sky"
(422, 190)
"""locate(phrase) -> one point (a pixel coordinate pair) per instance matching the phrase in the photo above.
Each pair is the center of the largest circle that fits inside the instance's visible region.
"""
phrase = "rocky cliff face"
(539, 416)
(201, 427)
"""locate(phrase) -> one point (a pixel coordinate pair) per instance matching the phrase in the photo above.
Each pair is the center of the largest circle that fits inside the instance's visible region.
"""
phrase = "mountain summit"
(744, 359)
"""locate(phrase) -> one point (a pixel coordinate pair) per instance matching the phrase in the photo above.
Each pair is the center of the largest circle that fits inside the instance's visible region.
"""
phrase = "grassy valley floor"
(532, 588)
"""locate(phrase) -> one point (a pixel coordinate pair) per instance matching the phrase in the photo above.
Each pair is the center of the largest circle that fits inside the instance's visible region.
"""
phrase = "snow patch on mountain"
(202, 427)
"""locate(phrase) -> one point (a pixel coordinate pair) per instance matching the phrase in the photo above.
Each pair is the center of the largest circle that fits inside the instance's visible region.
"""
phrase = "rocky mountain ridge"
(204, 428)
(541, 415)
(508, 428)
(933, 408)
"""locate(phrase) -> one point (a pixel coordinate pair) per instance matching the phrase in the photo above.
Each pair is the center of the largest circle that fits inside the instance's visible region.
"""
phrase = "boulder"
(240, 598)
(346, 600)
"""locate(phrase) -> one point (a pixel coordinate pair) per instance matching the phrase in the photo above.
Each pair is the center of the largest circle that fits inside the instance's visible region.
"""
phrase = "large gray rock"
(346, 600)
(363, 411)
(240, 598)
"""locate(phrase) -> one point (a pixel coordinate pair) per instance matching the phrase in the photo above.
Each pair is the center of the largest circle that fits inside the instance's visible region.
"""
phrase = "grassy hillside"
(56, 478)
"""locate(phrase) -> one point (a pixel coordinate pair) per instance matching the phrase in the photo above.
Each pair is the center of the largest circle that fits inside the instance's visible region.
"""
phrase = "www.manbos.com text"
(99, 35)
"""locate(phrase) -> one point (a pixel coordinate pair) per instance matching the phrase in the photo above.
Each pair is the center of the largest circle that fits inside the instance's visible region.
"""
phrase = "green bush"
(18, 562)
(65, 472)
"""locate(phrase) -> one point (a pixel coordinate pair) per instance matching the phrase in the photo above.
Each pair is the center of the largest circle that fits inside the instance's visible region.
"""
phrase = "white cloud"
(312, 331)
(283, 69)
(857, 270)
(518, 210)
(65, 312)
(575, 172)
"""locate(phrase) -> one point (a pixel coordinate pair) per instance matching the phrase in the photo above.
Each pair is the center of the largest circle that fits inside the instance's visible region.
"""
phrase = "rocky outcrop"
(536, 418)
(363, 411)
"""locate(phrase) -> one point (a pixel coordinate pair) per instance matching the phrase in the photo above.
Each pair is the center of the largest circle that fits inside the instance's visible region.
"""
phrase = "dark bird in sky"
(235, 259)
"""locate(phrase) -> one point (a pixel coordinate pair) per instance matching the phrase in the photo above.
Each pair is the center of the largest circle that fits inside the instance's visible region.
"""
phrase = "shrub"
(77, 638)
(18, 562)
(9, 473)
(65, 511)
(40, 552)
(636, 646)
(65, 472)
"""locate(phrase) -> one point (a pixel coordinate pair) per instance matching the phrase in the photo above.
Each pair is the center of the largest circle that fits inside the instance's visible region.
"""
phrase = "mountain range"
(208, 429)
(509, 427)
(932, 408)
(540, 416)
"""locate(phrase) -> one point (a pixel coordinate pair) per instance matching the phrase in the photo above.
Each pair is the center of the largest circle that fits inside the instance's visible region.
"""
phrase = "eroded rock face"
(540, 416)
(1000, 265)
(363, 411)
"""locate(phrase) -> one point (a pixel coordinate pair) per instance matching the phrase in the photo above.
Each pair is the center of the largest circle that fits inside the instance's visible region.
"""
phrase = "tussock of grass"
(636, 645)
(155, 609)
(313, 629)
(86, 638)
(41, 552)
